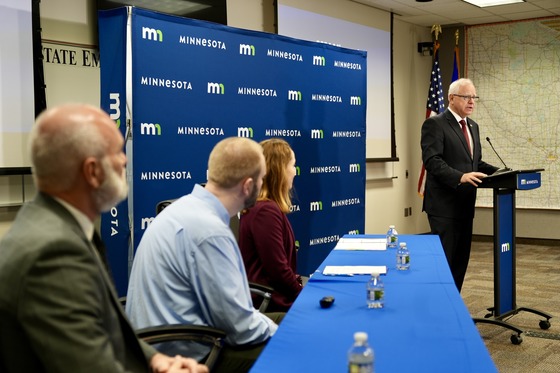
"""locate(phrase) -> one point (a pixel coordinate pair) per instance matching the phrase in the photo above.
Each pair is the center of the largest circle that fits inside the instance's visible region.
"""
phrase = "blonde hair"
(277, 154)
(234, 159)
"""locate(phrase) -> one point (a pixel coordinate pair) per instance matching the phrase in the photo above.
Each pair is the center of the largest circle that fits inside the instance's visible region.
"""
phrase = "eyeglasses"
(468, 98)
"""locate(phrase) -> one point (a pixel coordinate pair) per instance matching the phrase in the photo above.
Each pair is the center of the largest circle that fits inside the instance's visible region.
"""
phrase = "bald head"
(234, 159)
(62, 138)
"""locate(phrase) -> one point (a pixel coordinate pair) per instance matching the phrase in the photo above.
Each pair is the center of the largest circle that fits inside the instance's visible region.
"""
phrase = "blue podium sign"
(527, 181)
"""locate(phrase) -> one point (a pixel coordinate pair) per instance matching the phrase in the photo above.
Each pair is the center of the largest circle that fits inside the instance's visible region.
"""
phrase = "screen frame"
(393, 157)
(38, 79)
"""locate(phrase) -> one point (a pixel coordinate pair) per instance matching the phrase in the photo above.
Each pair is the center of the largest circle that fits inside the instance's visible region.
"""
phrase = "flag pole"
(435, 103)
(456, 61)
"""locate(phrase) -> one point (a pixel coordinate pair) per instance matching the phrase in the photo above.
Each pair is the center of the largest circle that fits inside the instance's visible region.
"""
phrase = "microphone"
(506, 168)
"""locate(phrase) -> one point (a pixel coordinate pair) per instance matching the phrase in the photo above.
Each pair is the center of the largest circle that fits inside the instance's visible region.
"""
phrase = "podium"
(504, 185)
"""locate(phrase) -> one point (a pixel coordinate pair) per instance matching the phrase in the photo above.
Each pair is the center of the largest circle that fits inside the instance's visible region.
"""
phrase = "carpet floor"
(537, 287)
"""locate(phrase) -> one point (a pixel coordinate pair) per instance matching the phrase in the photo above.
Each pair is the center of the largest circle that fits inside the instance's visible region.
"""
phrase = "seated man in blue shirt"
(188, 268)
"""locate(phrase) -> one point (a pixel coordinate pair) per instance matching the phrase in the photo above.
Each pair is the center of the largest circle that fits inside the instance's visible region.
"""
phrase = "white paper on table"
(361, 244)
(354, 270)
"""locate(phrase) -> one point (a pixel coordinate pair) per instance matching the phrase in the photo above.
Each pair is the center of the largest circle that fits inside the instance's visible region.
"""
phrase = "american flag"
(435, 105)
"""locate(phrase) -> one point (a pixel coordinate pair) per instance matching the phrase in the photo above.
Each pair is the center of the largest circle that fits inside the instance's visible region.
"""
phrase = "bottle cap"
(360, 337)
(392, 226)
(402, 244)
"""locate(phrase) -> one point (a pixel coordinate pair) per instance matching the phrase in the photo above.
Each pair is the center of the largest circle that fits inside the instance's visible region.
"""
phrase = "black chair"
(186, 340)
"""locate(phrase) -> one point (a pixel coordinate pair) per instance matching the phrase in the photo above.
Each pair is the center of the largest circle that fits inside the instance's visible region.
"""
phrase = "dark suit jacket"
(58, 309)
(446, 158)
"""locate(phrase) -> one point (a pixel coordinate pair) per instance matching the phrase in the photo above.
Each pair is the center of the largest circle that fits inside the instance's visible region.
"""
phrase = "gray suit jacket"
(58, 309)
(446, 157)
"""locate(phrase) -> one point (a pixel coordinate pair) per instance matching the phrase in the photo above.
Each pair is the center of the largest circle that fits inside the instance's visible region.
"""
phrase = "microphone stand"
(506, 168)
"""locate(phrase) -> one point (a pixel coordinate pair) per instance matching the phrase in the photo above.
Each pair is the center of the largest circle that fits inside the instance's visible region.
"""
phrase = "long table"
(424, 326)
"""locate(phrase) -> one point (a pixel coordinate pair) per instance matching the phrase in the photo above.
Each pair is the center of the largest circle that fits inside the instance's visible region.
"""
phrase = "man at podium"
(452, 156)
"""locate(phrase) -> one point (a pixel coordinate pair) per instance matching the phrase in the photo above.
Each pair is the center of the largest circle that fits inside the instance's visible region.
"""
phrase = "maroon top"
(267, 244)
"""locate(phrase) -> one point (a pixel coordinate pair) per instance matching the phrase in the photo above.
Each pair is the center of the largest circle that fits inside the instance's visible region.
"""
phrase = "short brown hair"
(234, 159)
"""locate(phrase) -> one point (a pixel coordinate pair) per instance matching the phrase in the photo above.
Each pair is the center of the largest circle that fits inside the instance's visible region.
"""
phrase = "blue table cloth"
(424, 326)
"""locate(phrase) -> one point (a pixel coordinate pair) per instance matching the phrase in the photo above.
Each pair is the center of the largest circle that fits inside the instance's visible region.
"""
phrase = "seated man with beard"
(58, 309)
(188, 268)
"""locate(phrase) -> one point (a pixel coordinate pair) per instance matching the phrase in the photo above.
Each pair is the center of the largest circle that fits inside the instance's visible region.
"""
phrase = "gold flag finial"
(436, 30)
(457, 37)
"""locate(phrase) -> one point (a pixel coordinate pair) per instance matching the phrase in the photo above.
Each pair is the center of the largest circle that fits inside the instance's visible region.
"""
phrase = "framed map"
(515, 67)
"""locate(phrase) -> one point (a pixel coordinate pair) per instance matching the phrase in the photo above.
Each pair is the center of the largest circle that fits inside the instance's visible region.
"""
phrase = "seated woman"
(266, 238)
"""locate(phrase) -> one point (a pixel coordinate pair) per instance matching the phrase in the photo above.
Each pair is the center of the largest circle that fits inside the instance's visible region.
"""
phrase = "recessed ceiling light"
(485, 3)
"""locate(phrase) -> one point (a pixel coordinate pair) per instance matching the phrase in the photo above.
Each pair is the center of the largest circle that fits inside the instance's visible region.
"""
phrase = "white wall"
(386, 199)
(255, 15)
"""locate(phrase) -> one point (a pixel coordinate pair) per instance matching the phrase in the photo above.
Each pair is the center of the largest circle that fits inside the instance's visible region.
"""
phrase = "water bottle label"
(360, 368)
(375, 294)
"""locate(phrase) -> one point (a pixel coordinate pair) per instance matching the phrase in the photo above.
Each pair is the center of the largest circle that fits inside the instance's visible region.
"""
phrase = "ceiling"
(207, 10)
(442, 12)
(457, 12)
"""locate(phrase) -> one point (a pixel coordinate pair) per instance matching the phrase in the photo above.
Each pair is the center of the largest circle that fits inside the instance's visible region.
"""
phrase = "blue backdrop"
(194, 83)
(115, 227)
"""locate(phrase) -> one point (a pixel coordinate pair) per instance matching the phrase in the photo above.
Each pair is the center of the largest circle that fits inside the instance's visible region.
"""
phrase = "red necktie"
(464, 128)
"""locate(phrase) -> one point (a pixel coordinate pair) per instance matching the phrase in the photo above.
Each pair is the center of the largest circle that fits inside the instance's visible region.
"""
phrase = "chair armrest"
(259, 287)
(263, 291)
(164, 333)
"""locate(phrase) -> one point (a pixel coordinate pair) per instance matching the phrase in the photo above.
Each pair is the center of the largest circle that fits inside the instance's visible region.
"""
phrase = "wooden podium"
(504, 185)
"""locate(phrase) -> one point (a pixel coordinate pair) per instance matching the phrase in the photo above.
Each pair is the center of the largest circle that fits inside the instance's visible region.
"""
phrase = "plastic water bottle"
(392, 238)
(375, 292)
(403, 257)
(360, 355)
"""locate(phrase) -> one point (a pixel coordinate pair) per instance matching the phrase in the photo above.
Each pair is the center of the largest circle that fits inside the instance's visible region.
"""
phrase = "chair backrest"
(163, 204)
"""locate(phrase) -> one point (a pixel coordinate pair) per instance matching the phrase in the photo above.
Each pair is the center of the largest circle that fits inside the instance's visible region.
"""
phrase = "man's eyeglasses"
(468, 98)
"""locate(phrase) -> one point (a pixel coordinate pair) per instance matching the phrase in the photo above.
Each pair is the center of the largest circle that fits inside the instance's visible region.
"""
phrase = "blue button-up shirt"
(188, 270)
